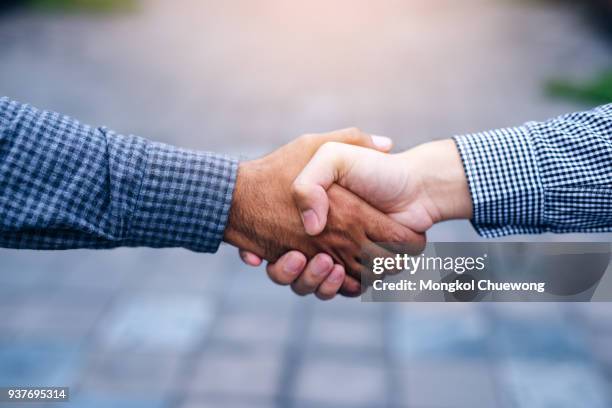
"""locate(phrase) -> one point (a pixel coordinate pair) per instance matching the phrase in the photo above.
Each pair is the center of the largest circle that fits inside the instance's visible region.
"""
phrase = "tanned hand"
(265, 221)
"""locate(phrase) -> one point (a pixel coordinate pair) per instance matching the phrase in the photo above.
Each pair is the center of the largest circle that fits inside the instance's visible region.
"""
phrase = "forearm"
(553, 176)
(68, 185)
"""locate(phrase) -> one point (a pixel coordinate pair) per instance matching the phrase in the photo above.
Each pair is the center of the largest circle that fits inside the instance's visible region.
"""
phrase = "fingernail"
(322, 265)
(310, 220)
(382, 142)
(293, 266)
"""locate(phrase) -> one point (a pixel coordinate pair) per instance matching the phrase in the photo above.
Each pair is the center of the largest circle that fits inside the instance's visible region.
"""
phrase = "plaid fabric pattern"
(66, 185)
(553, 176)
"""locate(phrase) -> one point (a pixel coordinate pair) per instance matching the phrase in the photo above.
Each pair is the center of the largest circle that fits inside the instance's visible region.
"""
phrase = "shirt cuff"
(184, 199)
(504, 182)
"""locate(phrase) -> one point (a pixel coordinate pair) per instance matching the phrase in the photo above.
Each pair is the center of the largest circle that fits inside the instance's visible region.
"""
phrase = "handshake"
(317, 209)
(313, 207)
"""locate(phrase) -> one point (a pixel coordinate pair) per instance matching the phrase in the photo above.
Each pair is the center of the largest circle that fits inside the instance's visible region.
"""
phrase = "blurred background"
(173, 329)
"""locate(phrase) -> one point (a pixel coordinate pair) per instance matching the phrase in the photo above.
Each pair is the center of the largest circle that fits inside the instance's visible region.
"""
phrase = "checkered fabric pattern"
(553, 176)
(68, 185)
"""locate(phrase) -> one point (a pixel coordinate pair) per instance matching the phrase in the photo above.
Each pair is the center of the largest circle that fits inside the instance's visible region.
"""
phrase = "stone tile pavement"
(133, 328)
(244, 342)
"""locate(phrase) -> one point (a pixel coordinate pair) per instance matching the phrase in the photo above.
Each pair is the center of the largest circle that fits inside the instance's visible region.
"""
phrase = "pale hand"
(417, 188)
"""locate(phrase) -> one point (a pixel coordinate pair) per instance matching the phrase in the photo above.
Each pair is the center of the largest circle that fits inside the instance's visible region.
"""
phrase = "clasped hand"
(313, 207)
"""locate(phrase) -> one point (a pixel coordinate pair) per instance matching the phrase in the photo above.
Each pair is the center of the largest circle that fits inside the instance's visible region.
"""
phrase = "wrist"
(239, 228)
(443, 183)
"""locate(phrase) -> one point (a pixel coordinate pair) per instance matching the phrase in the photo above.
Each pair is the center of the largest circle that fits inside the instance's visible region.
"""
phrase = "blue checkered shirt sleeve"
(66, 185)
(552, 176)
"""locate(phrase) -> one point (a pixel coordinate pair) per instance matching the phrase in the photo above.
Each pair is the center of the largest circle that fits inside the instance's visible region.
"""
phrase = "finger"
(315, 273)
(394, 236)
(378, 230)
(358, 271)
(287, 268)
(249, 258)
(369, 253)
(357, 137)
(388, 238)
(331, 285)
(350, 287)
(326, 166)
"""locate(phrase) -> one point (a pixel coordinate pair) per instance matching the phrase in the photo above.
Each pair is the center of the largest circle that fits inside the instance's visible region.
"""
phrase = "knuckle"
(307, 138)
(356, 136)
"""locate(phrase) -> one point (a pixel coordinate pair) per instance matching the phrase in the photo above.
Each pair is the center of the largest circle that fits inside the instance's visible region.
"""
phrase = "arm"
(552, 176)
(68, 185)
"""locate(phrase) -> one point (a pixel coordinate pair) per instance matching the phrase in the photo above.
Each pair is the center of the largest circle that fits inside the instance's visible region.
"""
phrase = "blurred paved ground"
(145, 328)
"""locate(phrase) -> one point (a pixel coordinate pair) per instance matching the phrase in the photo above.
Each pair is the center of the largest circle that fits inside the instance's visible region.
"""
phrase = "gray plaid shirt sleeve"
(66, 185)
(553, 176)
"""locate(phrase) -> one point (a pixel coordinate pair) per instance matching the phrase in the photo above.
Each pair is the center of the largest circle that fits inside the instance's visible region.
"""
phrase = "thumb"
(309, 189)
(312, 201)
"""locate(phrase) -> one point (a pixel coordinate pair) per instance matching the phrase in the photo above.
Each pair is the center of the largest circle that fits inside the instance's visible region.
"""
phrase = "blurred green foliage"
(84, 5)
(597, 90)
